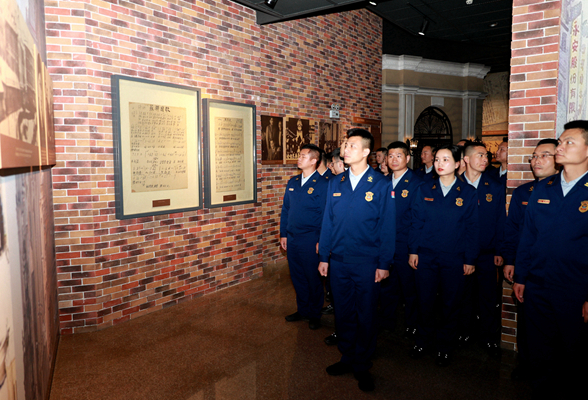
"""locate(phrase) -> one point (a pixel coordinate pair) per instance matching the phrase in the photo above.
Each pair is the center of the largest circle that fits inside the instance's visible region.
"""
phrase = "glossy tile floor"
(236, 345)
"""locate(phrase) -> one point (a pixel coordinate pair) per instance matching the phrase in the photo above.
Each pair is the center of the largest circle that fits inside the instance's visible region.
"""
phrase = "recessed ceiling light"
(494, 24)
(373, 3)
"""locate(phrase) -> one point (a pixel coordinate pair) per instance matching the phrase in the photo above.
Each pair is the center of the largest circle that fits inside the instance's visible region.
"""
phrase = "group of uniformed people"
(440, 235)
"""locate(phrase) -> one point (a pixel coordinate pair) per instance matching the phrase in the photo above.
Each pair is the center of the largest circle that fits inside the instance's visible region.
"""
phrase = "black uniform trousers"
(303, 262)
(400, 285)
(355, 293)
(443, 274)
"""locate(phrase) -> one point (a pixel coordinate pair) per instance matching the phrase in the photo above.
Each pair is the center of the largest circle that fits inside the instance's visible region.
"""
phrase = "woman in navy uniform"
(443, 247)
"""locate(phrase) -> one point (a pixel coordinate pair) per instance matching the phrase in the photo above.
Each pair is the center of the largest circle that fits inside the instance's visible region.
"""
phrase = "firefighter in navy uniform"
(482, 288)
(551, 275)
(401, 283)
(543, 165)
(300, 227)
(358, 237)
(443, 247)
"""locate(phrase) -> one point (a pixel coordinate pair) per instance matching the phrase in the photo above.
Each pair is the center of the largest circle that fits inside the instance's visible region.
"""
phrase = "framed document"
(229, 153)
(156, 147)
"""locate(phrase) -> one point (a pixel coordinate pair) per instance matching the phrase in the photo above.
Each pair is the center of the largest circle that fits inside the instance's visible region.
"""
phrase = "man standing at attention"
(543, 166)
(300, 227)
(401, 283)
(491, 220)
(358, 236)
(427, 158)
(551, 275)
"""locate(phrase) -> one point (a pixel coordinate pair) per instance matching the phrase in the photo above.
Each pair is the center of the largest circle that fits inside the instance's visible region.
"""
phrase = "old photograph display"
(272, 138)
(229, 153)
(157, 147)
(298, 132)
(26, 118)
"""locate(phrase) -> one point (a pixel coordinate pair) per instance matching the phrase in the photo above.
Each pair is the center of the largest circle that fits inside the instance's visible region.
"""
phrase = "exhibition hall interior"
(145, 148)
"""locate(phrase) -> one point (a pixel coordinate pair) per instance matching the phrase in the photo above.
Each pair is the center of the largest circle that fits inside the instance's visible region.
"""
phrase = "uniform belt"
(353, 259)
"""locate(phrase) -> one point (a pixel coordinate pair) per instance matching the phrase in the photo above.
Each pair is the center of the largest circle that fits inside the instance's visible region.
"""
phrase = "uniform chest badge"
(404, 193)
(370, 179)
(489, 197)
(310, 190)
(584, 206)
(459, 202)
(369, 196)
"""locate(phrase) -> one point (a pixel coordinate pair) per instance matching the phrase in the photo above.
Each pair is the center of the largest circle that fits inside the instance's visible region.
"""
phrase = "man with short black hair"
(381, 155)
(492, 216)
(336, 166)
(323, 165)
(401, 282)
(358, 236)
(543, 166)
(502, 157)
(551, 275)
(427, 158)
(300, 227)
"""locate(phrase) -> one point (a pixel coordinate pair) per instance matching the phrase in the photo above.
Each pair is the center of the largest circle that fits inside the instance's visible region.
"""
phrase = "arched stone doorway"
(432, 128)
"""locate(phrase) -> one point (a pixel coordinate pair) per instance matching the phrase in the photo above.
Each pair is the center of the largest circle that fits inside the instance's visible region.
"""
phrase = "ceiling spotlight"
(468, 2)
(373, 3)
(271, 3)
(423, 27)
(494, 25)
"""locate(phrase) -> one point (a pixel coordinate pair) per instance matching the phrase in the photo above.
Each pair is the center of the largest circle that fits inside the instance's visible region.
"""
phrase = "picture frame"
(297, 133)
(230, 153)
(157, 161)
(272, 136)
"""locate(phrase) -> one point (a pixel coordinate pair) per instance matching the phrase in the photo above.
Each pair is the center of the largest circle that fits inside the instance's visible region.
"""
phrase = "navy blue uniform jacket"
(495, 173)
(491, 214)
(303, 207)
(404, 193)
(445, 224)
(359, 226)
(421, 172)
(514, 222)
(555, 237)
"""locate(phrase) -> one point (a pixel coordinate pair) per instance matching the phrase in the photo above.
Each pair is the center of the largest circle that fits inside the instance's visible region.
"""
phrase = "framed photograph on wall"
(492, 143)
(272, 136)
(229, 153)
(298, 132)
(156, 147)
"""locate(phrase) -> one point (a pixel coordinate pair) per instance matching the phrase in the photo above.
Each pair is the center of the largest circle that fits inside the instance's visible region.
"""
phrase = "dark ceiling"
(478, 33)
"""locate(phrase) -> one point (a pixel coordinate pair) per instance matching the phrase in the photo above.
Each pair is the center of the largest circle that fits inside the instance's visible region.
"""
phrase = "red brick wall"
(533, 100)
(112, 270)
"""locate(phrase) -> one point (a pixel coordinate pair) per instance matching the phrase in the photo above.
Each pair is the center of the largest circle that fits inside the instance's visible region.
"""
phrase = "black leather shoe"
(294, 317)
(492, 349)
(328, 310)
(417, 352)
(332, 340)
(339, 368)
(442, 359)
(314, 323)
(365, 381)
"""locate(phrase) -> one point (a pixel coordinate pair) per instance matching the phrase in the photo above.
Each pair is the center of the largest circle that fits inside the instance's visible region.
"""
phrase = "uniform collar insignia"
(434, 187)
(314, 180)
(297, 178)
(586, 184)
(370, 179)
(486, 183)
(458, 189)
(342, 178)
